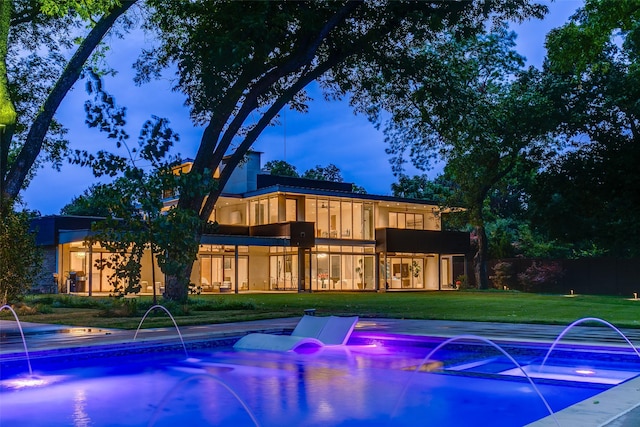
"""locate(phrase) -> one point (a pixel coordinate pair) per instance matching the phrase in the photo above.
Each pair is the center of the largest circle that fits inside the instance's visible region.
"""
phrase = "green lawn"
(489, 306)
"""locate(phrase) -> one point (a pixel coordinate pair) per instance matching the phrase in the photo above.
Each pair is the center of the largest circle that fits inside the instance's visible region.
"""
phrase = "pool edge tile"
(599, 410)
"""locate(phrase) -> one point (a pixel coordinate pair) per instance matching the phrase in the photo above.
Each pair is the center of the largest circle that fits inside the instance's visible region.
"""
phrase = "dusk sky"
(328, 133)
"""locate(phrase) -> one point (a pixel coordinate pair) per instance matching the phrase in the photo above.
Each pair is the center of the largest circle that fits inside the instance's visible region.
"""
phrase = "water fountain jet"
(172, 319)
(485, 340)
(195, 377)
(577, 322)
(24, 341)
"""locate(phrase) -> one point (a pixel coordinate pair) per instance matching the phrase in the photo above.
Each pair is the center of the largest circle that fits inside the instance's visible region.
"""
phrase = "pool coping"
(618, 406)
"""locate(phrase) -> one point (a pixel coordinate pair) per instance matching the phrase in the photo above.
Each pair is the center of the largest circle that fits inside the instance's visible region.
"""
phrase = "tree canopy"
(324, 173)
(44, 46)
(471, 104)
(281, 168)
(239, 63)
(587, 198)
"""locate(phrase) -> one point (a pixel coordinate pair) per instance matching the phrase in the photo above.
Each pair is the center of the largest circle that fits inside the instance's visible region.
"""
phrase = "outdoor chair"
(310, 331)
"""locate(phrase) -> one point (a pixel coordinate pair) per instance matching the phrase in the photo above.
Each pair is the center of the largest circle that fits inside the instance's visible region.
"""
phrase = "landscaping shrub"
(541, 276)
(20, 258)
(462, 282)
(502, 275)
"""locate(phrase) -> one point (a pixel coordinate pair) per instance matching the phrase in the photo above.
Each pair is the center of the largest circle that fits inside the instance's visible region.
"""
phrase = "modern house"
(287, 234)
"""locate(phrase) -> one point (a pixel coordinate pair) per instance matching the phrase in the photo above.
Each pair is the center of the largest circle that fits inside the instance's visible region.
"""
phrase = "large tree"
(239, 63)
(589, 198)
(471, 104)
(44, 46)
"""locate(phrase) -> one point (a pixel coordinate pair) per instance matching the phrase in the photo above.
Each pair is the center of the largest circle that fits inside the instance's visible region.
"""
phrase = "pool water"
(371, 382)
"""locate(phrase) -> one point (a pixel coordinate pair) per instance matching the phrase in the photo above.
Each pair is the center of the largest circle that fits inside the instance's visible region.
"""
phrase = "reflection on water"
(80, 416)
(352, 386)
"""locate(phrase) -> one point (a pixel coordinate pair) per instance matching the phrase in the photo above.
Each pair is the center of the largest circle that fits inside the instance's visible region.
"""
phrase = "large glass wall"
(273, 209)
(340, 218)
(80, 263)
(283, 269)
(232, 213)
(418, 271)
(406, 272)
(258, 211)
(345, 268)
(218, 268)
(406, 220)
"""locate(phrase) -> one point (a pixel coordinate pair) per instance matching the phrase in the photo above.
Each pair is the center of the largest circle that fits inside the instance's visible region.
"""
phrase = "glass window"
(322, 270)
(346, 279)
(254, 213)
(334, 219)
(335, 271)
(367, 221)
(229, 269)
(393, 220)
(291, 210)
(273, 210)
(275, 271)
(369, 272)
(417, 273)
(322, 226)
(410, 222)
(243, 273)
(310, 210)
(206, 281)
(419, 218)
(262, 212)
(357, 220)
(347, 221)
(402, 220)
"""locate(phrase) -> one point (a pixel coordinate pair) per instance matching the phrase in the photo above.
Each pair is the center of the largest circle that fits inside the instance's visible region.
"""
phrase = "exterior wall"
(46, 282)
(244, 177)
(258, 268)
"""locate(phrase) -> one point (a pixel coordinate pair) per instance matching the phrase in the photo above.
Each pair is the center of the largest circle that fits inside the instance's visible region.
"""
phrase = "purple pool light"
(355, 385)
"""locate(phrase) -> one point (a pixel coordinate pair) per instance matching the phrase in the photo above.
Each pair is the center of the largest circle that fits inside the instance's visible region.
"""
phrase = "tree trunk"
(480, 259)
(7, 109)
(181, 265)
(176, 287)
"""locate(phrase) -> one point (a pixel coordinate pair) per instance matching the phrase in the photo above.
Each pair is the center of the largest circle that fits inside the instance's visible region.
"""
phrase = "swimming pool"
(373, 381)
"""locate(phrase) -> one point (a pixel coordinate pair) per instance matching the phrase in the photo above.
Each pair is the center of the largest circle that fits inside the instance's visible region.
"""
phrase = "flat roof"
(331, 193)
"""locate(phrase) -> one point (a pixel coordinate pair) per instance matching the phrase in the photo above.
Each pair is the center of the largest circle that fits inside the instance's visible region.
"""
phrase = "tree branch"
(28, 14)
(264, 121)
(71, 73)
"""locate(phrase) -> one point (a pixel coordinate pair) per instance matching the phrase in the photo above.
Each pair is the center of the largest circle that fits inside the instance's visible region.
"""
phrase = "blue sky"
(329, 133)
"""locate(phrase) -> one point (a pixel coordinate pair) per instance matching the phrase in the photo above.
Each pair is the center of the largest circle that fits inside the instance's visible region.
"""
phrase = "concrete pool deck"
(617, 407)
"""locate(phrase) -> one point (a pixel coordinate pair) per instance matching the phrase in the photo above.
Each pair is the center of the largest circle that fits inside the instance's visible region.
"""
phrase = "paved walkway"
(618, 407)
